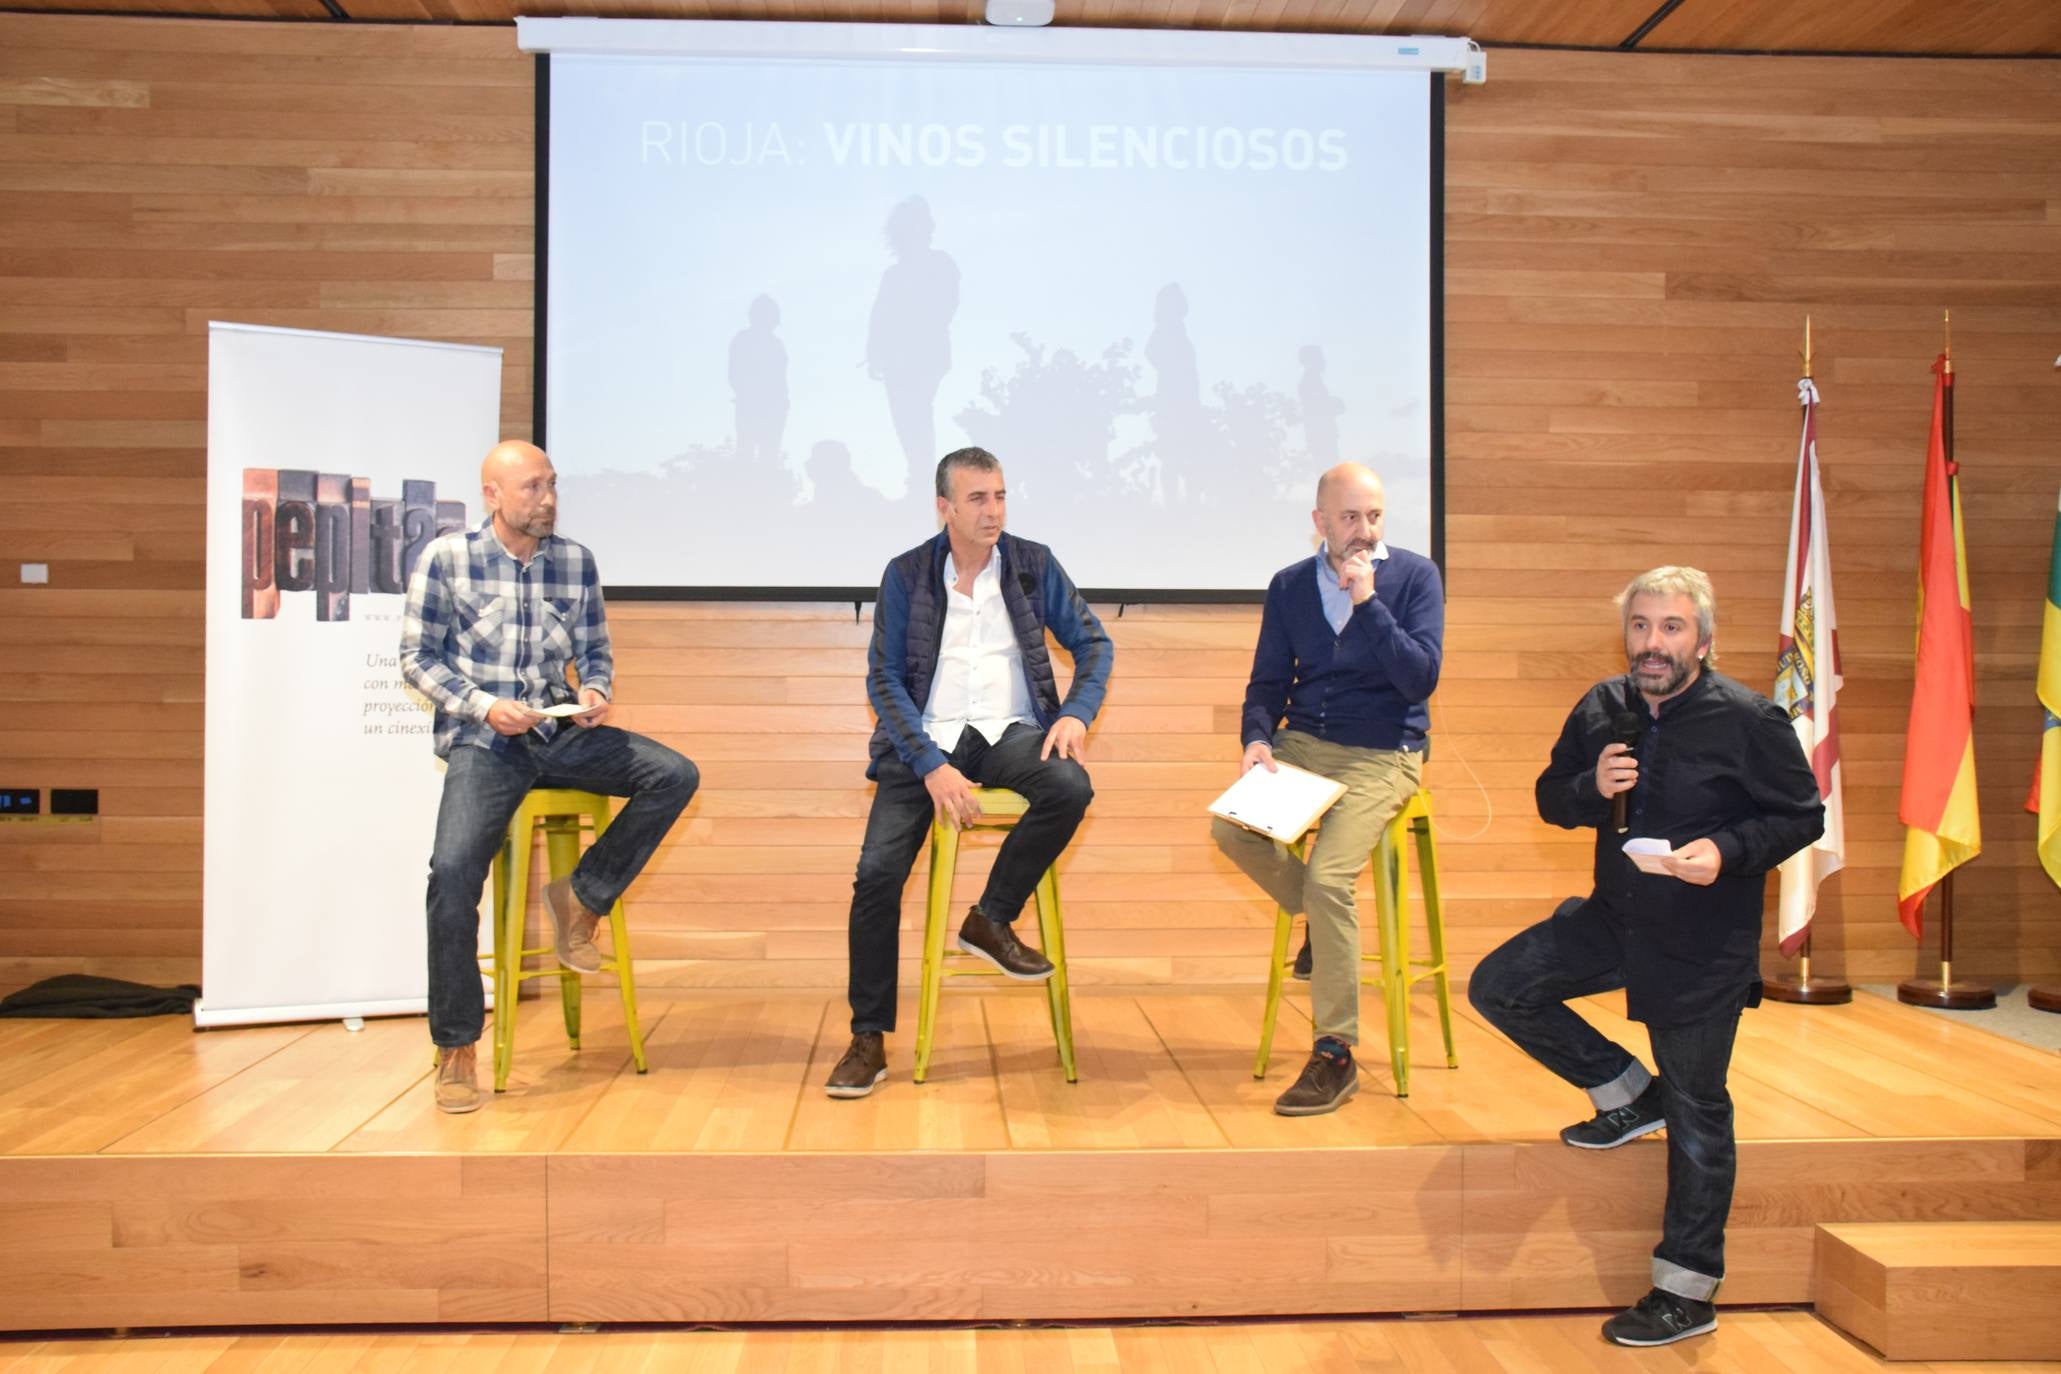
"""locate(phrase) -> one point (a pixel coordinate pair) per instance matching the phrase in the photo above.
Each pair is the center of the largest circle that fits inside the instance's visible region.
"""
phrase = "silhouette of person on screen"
(758, 386)
(836, 487)
(909, 338)
(1319, 407)
(1177, 418)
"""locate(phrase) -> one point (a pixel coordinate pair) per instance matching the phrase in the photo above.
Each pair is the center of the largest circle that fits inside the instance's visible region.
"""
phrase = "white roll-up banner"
(332, 460)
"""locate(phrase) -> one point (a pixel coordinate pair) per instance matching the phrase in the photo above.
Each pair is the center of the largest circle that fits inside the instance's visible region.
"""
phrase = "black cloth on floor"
(85, 995)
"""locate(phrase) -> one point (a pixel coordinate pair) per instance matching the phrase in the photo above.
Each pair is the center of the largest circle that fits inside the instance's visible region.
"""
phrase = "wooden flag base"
(2047, 998)
(1807, 990)
(1930, 992)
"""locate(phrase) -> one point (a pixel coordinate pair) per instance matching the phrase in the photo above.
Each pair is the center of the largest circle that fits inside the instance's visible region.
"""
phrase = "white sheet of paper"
(565, 709)
(1280, 804)
(1647, 855)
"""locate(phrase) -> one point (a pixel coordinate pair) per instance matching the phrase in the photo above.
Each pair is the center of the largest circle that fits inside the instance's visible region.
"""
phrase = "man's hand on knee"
(952, 795)
(1067, 738)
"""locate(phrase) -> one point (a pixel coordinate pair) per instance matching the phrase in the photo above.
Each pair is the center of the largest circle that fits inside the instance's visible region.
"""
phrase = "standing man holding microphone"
(1671, 751)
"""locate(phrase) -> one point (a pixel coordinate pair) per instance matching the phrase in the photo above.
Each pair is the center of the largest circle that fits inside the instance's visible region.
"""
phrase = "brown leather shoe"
(996, 942)
(862, 1069)
(458, 1079)
(1326, 1082)
(572, 927)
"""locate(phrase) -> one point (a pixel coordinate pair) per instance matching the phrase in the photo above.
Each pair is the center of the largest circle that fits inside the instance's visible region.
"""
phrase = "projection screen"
(1166, 278)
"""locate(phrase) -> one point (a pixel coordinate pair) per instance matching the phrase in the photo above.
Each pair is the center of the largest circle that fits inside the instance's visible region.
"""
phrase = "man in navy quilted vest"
(961, 679)
(1350, 643)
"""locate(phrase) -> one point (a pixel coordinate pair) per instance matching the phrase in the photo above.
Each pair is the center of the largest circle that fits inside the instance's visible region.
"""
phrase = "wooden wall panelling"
(1632, 242)
(155, 175)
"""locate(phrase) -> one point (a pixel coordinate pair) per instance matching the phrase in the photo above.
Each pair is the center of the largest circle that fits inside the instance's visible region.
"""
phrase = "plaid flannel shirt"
(480, 626)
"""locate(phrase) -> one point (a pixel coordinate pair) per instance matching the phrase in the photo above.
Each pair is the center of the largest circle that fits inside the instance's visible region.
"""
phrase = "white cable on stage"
(332, 459)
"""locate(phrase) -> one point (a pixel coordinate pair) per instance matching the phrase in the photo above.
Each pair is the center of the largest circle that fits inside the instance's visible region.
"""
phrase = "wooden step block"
(1944, 1290)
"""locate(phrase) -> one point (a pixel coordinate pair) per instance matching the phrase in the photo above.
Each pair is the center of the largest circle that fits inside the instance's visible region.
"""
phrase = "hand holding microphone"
(1617, 770)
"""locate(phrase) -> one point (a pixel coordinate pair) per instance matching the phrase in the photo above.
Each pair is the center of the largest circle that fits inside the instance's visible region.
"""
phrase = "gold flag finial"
(1806, 346)
(1946, 320)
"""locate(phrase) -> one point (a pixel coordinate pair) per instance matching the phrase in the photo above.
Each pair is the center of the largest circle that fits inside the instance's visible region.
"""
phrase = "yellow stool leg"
(619, 939)
(512, 893)
(1435, 932)
(562, 844)
(498, 930)
(1053, 929)
(937, 910)
(1389, 878)
(621, 961)
(1284, 927)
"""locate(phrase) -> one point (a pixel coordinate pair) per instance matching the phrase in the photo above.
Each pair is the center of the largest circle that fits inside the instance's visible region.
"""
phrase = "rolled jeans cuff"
(1622, 1090)
(1684, 1283)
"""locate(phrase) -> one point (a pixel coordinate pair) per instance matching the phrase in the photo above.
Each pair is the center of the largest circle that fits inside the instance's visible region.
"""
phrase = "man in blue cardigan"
(1349, 647)
(962, 683)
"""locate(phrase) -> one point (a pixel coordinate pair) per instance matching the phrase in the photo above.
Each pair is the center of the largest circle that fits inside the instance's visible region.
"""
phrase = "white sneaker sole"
(1702, 1330)
(861, 1091)
(1627, 1138)
(1323, 1107)
(992, 962)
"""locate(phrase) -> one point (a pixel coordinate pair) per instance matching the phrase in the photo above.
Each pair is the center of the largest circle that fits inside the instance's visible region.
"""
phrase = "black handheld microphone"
(1625, 729)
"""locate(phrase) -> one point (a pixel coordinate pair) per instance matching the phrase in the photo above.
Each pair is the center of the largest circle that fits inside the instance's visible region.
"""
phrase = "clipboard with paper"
(1281, 805)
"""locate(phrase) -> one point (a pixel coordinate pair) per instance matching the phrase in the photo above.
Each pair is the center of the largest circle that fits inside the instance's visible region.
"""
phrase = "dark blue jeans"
(1058, 792)
(1523, 988)
(482, 788)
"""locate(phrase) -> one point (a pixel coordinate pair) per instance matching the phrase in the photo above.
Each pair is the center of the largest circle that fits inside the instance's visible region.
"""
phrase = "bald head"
(1354, 475)
(1349, 509)
(510, 456)
(519, 486)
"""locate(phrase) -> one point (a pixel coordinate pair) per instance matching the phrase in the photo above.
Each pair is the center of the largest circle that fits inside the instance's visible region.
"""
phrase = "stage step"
(1954, 1290)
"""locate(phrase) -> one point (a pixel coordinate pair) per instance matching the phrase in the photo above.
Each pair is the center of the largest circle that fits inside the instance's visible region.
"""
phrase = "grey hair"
(977, 458)
(1674, 580)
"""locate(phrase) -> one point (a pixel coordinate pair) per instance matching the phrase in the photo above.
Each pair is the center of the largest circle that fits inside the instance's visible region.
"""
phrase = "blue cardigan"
(1366, 686)
(909, 631)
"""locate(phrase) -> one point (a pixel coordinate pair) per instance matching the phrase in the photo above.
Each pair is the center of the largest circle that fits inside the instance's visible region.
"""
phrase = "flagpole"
(1800, 987)
(1944, 991)
(2046, 796)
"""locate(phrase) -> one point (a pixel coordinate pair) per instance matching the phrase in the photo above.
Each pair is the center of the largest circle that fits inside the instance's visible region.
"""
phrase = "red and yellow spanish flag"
(1942, 827)
(2046, 779)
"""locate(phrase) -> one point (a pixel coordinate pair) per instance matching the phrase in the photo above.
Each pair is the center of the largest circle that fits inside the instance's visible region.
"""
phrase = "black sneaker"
(1302, 962)
(1327, 1081)
(1608, 1130)
(996, 942)
(863, 1067)
(1660, 1318)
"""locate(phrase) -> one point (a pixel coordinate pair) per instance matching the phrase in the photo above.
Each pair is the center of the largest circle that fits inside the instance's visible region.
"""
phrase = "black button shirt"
(1722, 762)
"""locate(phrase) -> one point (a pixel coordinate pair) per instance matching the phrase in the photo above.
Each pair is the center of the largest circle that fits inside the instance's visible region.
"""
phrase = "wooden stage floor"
(150, 1175)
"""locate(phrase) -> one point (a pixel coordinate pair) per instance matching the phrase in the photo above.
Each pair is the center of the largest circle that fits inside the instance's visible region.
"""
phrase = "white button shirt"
(980, 679)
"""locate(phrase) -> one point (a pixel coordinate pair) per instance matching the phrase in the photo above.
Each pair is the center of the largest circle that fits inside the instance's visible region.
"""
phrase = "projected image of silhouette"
(834, 486)
(1059, 414)
(1179, 426)
(758, 386)
(1320, 409)
(909, 338)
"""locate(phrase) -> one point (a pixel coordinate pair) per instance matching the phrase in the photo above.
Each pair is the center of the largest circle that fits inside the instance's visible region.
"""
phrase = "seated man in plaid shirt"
(496, 616)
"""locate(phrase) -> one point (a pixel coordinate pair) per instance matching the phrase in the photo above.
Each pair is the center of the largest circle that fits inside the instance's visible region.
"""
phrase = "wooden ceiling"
(1939, 27)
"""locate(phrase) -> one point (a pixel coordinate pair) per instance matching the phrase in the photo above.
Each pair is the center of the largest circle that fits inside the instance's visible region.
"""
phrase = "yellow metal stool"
(562, 814)
(999, 809)
(1398, 972)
